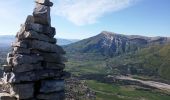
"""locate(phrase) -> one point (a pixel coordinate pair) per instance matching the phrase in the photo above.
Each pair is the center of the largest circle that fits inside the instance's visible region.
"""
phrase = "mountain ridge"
(113, 44)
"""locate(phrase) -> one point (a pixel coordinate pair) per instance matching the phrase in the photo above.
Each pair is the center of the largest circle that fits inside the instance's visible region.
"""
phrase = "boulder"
(42, 15)
(26, 67)
(49, 86)
(22, 91)
(6, 96)
(19, 59)
(44, 2)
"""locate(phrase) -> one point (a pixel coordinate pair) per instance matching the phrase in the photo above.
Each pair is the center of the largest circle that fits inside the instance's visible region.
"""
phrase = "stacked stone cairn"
(34, 69)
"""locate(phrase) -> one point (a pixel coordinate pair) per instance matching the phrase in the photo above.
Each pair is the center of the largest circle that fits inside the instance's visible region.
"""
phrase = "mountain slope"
(112, 44)
(151, 61)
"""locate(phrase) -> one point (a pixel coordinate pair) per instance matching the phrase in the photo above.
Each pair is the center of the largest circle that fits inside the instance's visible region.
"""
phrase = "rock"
(8, 77)
(7, 68)
(29, 20)
(44, 2)
(26, 67)
(18, 50)
(21, 44)
(45, 46)
(49, 86)
(35, 35)
(34, 76)
(6, 96)
(22, 91)
(50, 31)
(26, 59)
(9, 60)
(10, 54)
(53, 57)
(48, 65)
(42, 15)
(52, 96)
(35, 66)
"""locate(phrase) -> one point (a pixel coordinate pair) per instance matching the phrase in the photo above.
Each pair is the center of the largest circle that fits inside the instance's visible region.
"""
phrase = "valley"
(95, 62)
(143, 58)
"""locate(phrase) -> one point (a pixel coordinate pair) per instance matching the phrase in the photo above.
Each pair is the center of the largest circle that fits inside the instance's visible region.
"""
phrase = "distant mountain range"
(6, 40)
(112, 44)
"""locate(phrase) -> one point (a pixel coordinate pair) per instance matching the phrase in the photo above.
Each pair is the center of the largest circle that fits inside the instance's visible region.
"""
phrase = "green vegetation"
(151, 61)
(106, 91)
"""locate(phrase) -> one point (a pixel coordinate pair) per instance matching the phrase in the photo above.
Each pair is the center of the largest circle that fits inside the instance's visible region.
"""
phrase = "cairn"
(34, 69)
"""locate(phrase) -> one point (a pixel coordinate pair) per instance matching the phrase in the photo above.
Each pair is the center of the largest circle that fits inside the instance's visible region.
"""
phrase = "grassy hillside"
(151, 61)
(117, 92)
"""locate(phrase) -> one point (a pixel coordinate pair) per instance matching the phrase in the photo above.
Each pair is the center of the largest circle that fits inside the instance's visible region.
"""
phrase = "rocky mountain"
(112, 44)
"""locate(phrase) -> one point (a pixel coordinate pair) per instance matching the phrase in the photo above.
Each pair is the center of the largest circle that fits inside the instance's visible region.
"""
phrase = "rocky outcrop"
(34, 68)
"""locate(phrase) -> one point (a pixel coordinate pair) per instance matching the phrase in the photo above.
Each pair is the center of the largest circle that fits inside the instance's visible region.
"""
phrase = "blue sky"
(78, 19)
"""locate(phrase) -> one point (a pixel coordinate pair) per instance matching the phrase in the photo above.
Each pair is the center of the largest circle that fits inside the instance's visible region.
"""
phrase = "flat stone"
(46, 47)
(9, 60)
(42, 14)
(10, 54)
(18, 50)
(26, 67)
(52, 96)
(48, 65)
(29, 19)
(7, 68)
(49, 31)
(33, 76)
(21, 44)
(35, 35)
(19, 59)
(6, 96)
(44, 2)
(53, 57)
(8, 77)
(49, 86)
(22, 91)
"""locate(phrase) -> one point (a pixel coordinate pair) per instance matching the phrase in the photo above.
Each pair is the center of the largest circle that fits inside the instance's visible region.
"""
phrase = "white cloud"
(81, 12)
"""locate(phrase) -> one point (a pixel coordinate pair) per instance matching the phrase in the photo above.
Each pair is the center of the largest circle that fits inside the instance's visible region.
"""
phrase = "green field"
(106, 91)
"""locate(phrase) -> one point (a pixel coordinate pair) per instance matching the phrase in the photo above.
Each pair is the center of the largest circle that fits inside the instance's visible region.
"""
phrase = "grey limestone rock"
(22, 91)
(44, 2)
(42, 15)
(27, 67)
(26, 59)
(6, 96)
